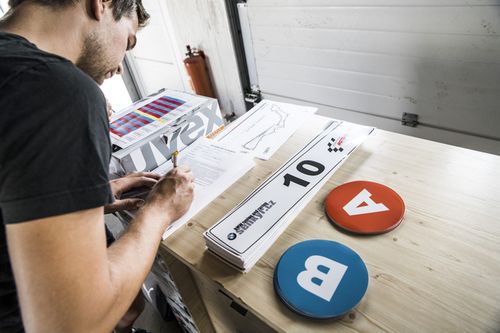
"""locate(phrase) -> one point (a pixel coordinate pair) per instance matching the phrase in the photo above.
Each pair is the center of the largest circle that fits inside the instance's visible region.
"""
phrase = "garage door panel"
(453, 138)
(432, 112)
(444, 94)
(437, 59)
(427, 46)
(472, 74)
(341, 98)
(411, 19)
(350, 3)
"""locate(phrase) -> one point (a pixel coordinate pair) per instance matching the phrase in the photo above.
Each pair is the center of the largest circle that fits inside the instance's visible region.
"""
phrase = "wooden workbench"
(439, 271)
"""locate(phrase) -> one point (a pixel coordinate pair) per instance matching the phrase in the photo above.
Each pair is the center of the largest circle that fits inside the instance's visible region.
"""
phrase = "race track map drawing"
(278, 117)
(264, 128)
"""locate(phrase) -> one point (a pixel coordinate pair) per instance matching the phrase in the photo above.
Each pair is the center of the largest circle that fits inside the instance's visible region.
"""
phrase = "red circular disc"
(365, 207)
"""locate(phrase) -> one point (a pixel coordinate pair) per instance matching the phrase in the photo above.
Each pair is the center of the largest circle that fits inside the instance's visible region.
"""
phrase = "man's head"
(113, 32)
(120, 7)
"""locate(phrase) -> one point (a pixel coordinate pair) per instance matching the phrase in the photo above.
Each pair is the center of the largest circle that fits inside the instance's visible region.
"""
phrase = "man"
(54, 156)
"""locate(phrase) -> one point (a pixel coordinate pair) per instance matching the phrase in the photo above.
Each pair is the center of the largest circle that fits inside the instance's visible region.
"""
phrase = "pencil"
(174, 158)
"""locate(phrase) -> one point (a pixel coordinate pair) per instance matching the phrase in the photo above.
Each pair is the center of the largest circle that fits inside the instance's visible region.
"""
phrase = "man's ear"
(97, 8)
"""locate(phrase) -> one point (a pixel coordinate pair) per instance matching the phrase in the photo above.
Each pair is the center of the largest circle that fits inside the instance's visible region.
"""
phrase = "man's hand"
(109, 109)
(173, 194)
(142, 182)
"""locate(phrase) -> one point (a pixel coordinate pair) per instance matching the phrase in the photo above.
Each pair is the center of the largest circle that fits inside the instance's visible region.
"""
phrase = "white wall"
(204, 24)
(157, 58)
(155, 61)
(4, 6)
(371, 60)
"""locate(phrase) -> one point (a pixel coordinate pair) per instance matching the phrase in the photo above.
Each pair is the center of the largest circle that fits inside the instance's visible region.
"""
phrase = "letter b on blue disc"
(320, 279)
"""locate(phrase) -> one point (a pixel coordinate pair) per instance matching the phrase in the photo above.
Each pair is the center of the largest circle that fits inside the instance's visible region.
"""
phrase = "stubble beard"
(92, 59)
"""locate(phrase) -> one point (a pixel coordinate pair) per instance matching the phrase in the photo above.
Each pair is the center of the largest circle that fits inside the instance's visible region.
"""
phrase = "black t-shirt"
(54, 147)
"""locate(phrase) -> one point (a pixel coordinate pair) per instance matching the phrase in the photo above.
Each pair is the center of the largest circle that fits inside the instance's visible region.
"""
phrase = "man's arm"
(68, 281)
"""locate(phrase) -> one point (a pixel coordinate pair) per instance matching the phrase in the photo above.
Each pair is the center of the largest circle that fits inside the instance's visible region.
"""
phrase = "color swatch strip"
(144, 115)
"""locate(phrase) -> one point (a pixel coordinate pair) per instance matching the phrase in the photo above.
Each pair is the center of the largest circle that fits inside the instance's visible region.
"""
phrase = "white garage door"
(370, 61)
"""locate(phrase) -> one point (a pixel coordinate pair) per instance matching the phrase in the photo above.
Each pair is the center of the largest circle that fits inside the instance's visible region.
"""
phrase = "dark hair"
(120, 7)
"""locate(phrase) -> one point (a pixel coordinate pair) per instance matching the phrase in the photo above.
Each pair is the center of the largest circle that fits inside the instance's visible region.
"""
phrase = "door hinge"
(253, 96)
(409, 119)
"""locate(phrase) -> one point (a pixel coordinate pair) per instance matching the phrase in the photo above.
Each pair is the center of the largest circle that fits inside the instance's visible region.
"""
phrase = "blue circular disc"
(320, 279)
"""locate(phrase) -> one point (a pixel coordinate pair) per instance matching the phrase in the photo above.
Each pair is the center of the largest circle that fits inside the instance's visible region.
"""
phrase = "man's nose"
(119, 70)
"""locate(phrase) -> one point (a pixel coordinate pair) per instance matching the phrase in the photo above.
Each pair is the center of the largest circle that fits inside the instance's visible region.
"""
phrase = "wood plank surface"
(439, 271)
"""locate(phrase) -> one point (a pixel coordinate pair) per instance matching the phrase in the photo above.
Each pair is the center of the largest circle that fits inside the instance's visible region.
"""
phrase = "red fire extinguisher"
(198, 72)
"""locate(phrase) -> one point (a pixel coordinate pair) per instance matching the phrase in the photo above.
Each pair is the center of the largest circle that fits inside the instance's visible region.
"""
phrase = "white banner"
(271, 204)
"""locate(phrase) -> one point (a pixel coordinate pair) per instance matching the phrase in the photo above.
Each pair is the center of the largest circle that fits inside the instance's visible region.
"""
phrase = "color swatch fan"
(144, 115)
(156, 113)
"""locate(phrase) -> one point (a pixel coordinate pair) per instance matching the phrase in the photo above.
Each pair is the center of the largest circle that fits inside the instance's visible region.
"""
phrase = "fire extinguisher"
(198, 72)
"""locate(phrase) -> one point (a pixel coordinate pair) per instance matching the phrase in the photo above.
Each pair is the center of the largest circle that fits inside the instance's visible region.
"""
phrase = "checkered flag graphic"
(334, 149)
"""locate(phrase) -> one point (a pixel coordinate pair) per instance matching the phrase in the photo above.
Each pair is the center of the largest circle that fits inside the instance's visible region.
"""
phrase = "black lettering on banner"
(302, 168)
(290, 178)
(317, 168)
(256, 215)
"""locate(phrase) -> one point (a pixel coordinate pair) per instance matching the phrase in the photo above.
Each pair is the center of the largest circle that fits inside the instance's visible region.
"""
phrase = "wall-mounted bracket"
(409, 119)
